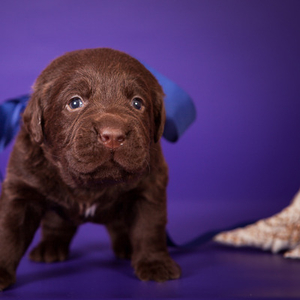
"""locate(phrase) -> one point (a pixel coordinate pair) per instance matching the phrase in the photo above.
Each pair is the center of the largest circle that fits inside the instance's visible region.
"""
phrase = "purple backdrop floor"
(209, 271)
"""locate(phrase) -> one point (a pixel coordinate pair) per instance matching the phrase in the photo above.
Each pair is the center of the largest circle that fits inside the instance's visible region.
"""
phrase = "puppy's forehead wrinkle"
(136, 83)
(109, 84)
(99, 85)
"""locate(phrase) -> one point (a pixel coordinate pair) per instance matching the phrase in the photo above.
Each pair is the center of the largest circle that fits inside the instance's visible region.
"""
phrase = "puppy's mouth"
(109, 160)
(108, 168)
(108, 173)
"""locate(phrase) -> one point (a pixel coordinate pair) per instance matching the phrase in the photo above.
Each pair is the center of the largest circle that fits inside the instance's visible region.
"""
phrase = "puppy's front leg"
(150, 258)
(20, 215)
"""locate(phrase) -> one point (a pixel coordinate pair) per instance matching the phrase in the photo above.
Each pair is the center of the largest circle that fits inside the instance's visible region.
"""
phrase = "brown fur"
(62, 173)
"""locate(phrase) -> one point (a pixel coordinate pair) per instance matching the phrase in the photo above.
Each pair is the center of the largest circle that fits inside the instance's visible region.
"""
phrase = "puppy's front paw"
(158, 270)
(47, 251)
(6, 279)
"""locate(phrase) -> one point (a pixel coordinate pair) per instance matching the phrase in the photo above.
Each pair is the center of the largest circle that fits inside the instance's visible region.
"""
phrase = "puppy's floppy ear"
(32, 117)
(159, 113)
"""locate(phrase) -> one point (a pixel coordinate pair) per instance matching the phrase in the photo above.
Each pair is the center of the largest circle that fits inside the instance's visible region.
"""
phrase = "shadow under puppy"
(89, 151)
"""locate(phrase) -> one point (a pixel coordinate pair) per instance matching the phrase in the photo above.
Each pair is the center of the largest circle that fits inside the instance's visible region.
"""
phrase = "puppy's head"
(96, 114)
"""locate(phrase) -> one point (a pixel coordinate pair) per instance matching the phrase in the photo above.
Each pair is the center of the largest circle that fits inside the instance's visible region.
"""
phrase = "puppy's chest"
(88, 211)
(97, 212)
(100, 210)
(79, 214)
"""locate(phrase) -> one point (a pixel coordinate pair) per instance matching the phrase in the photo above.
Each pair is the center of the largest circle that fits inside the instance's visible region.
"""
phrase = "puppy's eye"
(137, 103)
(76, 102)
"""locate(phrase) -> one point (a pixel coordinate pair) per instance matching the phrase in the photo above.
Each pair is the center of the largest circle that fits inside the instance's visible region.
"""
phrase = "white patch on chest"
(90, 212)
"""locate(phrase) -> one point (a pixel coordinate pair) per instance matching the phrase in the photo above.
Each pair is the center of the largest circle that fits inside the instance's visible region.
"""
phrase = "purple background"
(240, 62)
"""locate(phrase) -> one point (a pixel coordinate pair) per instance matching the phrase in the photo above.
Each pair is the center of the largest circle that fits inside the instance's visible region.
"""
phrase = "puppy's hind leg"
(57, 235)
(119, 234)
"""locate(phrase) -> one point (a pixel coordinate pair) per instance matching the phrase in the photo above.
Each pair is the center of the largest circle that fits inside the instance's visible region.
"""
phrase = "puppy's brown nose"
(112, 138)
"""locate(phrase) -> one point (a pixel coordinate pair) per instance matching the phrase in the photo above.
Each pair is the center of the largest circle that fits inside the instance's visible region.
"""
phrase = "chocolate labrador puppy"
(89, 151)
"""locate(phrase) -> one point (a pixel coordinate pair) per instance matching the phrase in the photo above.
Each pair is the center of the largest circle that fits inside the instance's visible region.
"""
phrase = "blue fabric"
(180, 112)
(10, 118)
(180, 109)
(205, 237)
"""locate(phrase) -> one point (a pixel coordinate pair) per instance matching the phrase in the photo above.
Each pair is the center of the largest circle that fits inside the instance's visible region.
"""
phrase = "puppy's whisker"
(148, 166)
